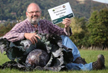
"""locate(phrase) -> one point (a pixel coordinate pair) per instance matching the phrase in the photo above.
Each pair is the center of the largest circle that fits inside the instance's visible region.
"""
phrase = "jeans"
(66, 41)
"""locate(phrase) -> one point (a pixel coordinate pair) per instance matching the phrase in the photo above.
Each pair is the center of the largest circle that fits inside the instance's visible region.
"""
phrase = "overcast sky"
(102, 1)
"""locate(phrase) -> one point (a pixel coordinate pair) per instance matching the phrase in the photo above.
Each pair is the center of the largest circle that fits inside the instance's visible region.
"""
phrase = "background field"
(89, 55)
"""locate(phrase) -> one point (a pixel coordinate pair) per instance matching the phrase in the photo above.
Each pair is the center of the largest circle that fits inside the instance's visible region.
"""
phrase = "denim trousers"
(66, 41)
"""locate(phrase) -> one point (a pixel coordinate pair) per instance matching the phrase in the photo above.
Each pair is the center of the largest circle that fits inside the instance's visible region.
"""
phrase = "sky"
(102, 1)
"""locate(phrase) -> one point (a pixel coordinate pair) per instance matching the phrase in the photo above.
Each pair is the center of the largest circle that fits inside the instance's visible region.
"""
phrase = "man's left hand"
(66, 22)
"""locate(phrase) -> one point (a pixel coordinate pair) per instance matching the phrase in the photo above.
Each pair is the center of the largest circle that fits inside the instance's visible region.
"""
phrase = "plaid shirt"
(44, 26)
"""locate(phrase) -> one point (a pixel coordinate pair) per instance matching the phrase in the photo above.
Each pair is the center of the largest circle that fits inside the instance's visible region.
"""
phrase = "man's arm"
(67, 29)
(15, 34)
(54, 29)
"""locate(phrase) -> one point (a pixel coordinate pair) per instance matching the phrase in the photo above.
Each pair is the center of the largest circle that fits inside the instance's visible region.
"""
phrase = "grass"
(89, 55)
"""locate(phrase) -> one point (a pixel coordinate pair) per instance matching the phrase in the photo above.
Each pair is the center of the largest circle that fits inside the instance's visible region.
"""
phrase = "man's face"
(33, 14)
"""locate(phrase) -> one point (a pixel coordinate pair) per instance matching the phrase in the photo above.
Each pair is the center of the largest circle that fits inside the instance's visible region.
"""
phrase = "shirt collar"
(37, 24)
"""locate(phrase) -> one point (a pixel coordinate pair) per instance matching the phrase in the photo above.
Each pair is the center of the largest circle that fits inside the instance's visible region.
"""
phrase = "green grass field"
(89, 55)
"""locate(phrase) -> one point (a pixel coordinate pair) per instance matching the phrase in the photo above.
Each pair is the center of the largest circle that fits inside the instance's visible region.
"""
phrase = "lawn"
(89, 55)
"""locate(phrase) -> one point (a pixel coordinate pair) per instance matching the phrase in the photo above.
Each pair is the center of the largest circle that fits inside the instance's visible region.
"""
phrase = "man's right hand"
(32, 37)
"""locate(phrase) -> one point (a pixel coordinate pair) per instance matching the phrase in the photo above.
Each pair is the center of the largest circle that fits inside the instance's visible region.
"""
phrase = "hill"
(15, 9)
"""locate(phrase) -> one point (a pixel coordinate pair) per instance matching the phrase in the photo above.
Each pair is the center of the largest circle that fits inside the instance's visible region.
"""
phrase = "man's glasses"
(33, 12)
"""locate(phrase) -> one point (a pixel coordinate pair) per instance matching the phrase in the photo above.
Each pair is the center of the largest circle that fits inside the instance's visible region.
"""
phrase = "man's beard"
(34, 22)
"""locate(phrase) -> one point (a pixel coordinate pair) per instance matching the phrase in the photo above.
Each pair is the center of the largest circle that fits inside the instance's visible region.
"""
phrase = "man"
(26, 30)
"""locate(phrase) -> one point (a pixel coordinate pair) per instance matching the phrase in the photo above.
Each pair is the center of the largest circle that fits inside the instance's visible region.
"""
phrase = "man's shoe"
(99, 64)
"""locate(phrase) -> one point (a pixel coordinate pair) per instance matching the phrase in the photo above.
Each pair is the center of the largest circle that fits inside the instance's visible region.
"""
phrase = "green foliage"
(78, 26)
(93, 32)
(13, 9)
(60, 25)
(5, 28)
(97, 27)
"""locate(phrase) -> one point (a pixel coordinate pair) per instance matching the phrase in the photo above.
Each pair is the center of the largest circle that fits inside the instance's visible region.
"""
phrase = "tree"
(78, 26)
(5, 29)
(97, 27)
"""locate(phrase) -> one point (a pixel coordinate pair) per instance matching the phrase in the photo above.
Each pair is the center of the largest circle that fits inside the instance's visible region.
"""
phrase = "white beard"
(33, 22)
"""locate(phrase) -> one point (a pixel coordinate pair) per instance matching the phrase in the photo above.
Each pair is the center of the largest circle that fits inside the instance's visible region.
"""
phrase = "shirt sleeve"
(16, 33)
(68, 31)
(54, 29)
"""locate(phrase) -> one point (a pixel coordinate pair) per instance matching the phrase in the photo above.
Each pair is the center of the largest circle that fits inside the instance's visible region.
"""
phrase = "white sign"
(60, 12)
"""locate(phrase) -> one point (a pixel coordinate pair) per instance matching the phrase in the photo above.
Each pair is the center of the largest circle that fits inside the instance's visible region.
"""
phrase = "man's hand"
(32, 37)
(66, 22)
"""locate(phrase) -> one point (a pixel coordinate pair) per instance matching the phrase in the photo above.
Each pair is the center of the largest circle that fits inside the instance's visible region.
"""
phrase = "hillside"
(15, 9)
